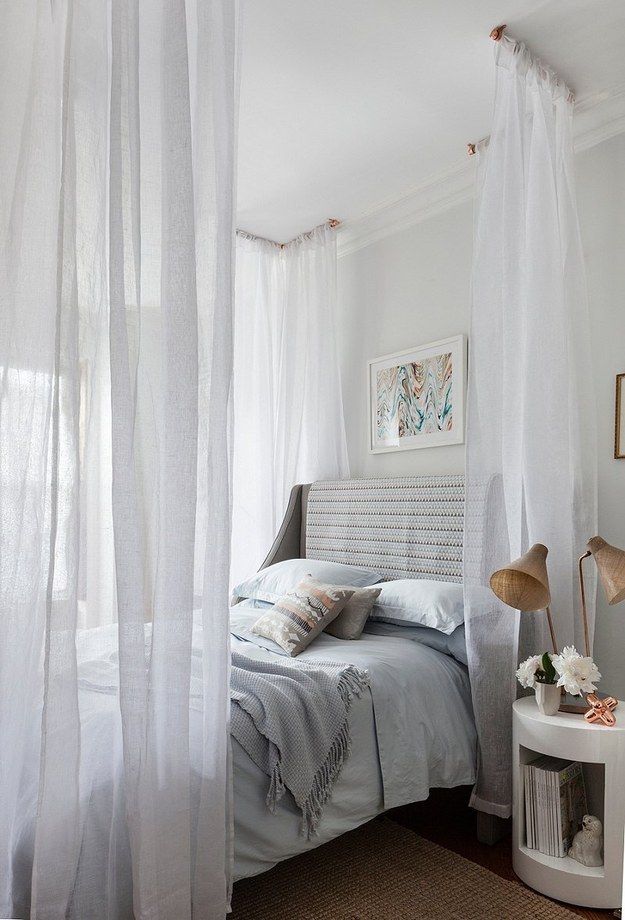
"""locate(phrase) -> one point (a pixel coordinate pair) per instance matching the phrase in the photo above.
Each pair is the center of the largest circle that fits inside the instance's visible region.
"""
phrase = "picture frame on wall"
(619, 418)
(417, 397)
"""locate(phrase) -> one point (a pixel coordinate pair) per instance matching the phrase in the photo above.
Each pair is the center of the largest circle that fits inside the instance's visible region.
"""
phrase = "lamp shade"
(524, 583)
(611, 567)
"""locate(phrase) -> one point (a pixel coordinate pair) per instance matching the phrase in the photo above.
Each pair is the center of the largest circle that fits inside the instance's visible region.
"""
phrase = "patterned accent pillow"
(298, 617)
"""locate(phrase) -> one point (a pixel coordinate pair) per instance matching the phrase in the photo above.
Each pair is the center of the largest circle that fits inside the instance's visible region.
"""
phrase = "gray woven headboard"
(404, 528)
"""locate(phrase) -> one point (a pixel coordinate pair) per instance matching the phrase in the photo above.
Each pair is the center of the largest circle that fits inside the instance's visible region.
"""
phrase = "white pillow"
(276, 580)
(422, 602)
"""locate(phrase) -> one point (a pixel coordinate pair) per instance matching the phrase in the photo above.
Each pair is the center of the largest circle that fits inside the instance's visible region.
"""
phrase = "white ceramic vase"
(548, 698)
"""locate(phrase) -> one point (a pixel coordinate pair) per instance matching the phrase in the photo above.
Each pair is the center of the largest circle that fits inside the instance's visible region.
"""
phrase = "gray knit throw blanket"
(293, 721)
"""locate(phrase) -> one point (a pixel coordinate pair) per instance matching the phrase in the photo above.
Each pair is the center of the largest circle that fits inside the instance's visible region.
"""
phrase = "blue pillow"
(421, 602)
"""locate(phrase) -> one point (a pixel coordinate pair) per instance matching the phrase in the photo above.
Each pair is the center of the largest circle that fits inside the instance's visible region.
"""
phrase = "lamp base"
(578, 704)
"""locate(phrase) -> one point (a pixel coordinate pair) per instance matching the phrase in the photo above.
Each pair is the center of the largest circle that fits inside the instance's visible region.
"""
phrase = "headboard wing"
(404, 528)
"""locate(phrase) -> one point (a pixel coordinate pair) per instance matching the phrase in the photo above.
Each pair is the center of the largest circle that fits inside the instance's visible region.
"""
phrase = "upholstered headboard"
(404, 528)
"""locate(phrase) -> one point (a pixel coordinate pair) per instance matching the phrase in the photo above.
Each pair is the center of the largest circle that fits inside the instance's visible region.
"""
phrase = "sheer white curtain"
(288, 418)
(116, 254)
(531, 469)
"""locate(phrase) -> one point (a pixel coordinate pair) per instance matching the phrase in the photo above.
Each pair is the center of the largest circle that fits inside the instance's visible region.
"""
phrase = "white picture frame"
(394, 421)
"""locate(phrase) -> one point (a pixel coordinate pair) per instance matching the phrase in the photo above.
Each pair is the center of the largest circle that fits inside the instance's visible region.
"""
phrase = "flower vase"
(547, 698)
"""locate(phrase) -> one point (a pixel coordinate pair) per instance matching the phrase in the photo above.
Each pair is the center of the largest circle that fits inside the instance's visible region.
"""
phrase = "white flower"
(577, 674)
(526, 672)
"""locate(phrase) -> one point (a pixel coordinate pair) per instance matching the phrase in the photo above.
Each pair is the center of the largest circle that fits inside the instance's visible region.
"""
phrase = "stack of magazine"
(555, 803)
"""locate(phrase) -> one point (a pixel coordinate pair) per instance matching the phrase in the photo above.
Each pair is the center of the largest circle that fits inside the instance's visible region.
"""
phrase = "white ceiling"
(346, 104)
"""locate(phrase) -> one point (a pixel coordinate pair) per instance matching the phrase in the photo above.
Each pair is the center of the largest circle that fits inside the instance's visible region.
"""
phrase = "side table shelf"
(601, 750)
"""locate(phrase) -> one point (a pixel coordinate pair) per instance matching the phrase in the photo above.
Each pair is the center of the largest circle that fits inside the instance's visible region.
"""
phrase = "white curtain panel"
(288, 417)
(116, 284)
(531, 442)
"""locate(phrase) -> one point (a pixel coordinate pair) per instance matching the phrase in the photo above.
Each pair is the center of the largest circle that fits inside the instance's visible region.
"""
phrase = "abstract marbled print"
(415, 398)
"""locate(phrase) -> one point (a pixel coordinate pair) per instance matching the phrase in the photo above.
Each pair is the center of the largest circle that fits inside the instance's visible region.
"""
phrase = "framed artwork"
(416, 397)
(619, 418)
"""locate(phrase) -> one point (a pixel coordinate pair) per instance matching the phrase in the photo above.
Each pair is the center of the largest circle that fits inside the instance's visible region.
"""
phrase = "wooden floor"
(447, 820)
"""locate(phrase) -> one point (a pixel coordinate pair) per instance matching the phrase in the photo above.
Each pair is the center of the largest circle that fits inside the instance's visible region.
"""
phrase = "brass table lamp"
(610, 562)
(524, 585)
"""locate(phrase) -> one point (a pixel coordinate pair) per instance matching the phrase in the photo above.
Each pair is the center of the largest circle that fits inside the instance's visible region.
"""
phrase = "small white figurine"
(587, 846)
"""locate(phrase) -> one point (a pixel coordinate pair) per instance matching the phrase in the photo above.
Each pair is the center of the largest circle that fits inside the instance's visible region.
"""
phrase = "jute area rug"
(382, 871)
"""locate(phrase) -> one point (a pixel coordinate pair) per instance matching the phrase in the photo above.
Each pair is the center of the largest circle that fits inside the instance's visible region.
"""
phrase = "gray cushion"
(350, 622)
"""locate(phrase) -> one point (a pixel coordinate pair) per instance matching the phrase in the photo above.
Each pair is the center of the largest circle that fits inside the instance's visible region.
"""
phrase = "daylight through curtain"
(116, 255)
(288, 415)
(530, 467)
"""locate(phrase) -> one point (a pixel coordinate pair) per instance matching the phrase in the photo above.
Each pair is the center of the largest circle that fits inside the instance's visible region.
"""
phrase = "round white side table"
(602, 752)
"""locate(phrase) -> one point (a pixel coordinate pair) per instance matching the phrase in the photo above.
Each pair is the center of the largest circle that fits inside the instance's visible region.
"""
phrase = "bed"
(411, 731)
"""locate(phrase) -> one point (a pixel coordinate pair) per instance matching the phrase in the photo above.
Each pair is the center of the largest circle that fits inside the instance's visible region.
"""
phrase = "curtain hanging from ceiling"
(288, 415)
(116, 254)
(531, 444)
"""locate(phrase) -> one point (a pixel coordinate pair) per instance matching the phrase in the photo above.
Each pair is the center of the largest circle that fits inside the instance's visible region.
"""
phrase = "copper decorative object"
(524, 585)
(601, 709)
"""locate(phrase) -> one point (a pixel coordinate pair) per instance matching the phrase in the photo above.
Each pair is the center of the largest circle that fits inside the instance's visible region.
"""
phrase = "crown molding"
(439, 193)
(597, 119)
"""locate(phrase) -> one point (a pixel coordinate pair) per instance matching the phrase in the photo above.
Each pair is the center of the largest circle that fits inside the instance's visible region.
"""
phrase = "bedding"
(278, 579)
(411, 730)
(262, 839)
(457, 645)
(293, 721)
(422, 602)
(454, 644)
(298, 617)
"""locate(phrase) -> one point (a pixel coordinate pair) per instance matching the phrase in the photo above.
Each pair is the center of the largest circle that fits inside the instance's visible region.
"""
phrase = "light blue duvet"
(411, 732)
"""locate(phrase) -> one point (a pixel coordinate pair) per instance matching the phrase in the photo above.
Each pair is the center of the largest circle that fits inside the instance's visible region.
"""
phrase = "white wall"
(413, 288)
(601, 194)
(405, 290)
